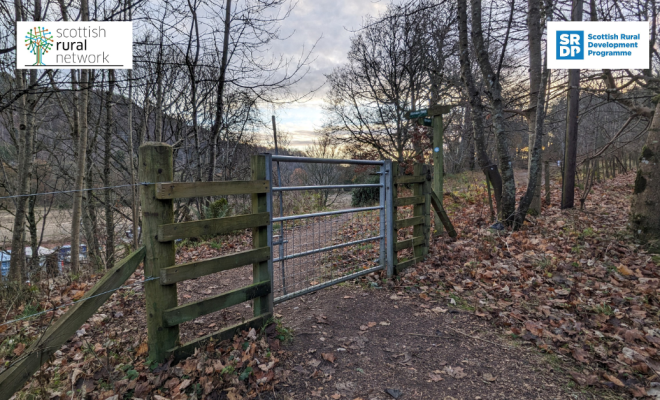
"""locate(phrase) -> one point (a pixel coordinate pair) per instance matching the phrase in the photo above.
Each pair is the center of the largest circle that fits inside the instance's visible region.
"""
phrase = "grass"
(605, 309)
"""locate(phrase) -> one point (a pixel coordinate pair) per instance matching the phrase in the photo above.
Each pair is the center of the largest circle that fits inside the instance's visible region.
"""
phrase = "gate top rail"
(326, 187)
(325, 160)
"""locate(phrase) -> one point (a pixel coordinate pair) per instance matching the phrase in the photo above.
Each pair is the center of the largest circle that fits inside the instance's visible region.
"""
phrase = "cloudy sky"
(332, 21)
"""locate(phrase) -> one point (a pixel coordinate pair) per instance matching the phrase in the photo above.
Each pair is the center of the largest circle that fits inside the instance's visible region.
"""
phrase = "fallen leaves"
(142, 350)
(329, 357)
(614, 380)
(19, 349)
(454, 372)
(573, 283)
(435, 376)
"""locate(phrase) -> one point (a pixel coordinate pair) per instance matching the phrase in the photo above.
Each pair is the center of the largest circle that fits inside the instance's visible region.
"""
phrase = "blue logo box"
(570, 45)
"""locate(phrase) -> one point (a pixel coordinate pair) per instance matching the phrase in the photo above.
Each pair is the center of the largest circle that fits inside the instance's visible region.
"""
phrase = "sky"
(330, 22)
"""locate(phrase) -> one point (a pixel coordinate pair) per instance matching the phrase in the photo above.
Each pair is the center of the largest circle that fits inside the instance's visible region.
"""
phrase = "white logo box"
(79, 45)
(620, 53)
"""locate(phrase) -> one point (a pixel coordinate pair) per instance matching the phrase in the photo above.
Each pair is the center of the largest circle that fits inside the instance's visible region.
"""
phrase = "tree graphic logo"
(38, 41)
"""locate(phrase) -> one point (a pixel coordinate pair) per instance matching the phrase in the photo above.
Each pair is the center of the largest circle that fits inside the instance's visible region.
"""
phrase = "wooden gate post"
(438, 165)
(156, 165)
(392, 259)
(260, 271)
(419, 210)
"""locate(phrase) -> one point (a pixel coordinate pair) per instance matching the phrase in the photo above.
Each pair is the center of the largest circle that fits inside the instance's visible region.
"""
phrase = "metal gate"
(313, 251)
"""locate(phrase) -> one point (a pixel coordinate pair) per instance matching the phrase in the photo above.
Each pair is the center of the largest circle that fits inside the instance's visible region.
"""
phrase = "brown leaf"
(20, 348)
(624, 270)
(371, 324)
(329, 357)
(434, 377)
(580, 355)
(534, 328)
(614, 380)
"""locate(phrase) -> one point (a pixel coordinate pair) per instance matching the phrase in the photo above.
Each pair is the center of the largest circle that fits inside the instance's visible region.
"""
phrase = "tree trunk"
(217, 125)
(26, 133)
(107, 156)
(535, 171)
(535, 71)
(82, 156)
(570, 150)
(547, 183)
(34, 237)
(494, 92)
(476, 107)
(89, 210)
(645, 204)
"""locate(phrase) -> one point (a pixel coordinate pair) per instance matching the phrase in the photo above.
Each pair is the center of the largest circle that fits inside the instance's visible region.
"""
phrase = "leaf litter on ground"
(574, 283)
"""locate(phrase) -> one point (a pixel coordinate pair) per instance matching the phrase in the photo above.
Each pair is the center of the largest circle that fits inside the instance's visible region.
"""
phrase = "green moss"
(640, 183)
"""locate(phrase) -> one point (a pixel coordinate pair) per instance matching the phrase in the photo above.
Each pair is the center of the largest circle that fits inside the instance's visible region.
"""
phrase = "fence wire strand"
(78, 301)
(75, 190)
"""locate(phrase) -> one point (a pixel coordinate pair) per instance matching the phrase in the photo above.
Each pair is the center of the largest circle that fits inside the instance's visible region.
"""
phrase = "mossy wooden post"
(156, 165)
(438, 165)
(426, 186)
(418, 211)
(393, 216)
(264, 304)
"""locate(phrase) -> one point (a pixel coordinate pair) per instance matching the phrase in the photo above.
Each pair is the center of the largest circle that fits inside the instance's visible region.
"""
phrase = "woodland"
(551, 180)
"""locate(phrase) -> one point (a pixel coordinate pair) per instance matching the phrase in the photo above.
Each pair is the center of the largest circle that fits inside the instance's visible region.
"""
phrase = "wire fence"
(37, 314)
(74, 190)
(321, 249)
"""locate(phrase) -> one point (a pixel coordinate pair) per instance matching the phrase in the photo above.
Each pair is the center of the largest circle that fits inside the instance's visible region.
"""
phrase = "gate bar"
(323, 214)
(326, 284)
(322, 249)
(324, 187)
(381, 201)
(324, 160)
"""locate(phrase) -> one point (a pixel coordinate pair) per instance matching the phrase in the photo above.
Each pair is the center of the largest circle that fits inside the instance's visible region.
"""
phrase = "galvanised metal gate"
(313, 251)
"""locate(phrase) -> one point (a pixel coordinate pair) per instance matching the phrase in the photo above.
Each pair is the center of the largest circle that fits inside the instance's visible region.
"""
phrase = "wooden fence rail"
(164, 314)
(66, 326)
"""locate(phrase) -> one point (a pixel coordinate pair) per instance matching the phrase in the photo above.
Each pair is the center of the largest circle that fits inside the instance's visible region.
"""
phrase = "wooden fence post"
(156, 165)
(418, 211)
(393, 232)
(438, 166)
(426, 186)
(260, 271)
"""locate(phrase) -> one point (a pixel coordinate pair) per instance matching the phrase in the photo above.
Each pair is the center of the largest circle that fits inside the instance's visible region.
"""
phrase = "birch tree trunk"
(507, 205)
(476, 106)
(534, 184)
(534, 33)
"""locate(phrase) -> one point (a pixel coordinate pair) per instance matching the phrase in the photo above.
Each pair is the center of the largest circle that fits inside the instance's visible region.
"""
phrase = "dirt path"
(301, 272)
(424, 351)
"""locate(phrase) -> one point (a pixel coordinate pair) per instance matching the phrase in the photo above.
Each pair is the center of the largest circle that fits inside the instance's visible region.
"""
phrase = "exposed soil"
(411, 349)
